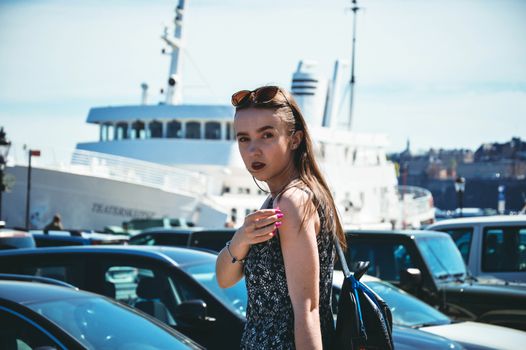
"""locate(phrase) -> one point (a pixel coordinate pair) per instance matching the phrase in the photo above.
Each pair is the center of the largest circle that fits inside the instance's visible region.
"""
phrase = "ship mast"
(354, 9)
(174, 83)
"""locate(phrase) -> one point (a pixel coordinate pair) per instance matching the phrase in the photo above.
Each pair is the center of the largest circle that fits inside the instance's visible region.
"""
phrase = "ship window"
(122, 131)
(233, 214)
(174, 130)
(110, 133)
(156, 129)
(104, 132)
(212, 131)
(193, 130)
(138, 130)
(229, 133)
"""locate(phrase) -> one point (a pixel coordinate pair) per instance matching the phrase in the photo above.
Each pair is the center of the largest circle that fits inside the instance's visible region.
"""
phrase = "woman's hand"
(258, 227)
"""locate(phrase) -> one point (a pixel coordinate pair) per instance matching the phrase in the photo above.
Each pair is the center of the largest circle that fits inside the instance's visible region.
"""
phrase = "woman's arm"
(258, 227)
(300, 253)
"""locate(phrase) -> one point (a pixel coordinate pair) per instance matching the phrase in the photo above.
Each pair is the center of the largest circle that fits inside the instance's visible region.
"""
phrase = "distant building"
(489, 161)
(491, 166)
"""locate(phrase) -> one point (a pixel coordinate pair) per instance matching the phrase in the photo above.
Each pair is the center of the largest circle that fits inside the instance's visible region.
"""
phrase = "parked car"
(35, 315)
(198, 237)
(492, 246)
(12, 239)
(176, 285)
(173, 237)
(428, 265)
(135, 226)
(408, 311)
(57, 238)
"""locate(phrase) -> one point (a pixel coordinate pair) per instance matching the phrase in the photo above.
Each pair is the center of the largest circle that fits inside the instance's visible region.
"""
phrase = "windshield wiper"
(430, 324)
(443, 276)
(459, 276)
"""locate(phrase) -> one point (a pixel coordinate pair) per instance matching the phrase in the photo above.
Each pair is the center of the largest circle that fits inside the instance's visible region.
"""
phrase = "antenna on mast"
(354, 9)
(174, 86)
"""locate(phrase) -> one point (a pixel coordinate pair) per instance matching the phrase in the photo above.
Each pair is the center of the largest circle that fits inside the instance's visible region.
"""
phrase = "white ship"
(179, 160)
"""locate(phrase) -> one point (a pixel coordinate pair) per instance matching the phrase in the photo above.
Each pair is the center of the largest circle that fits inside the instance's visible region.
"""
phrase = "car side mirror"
(410, 279)
(192, 311)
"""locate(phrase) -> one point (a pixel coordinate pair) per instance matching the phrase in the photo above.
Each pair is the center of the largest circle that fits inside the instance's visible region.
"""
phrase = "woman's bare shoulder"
(293, 199)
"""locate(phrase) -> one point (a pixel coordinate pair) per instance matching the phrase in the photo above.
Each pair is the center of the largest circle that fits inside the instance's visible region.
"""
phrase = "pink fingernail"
(277, 210)
(277, 224)
(279, 215)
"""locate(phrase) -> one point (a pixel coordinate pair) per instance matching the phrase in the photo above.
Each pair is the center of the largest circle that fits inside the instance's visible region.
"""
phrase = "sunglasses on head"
(261, 95)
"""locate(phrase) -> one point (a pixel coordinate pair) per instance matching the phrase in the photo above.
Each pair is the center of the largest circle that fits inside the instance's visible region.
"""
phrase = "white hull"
(91, 202)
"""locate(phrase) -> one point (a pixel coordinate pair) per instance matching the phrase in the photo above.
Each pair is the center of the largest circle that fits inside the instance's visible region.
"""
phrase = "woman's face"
(265, 143)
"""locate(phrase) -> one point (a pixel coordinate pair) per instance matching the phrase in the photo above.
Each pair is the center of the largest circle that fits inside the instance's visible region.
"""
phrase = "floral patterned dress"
(270, 317)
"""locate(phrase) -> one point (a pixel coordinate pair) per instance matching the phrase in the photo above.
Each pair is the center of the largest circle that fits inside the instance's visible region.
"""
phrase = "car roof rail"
(31, 278)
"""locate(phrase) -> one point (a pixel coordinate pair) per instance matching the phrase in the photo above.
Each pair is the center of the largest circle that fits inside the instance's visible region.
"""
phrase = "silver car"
(491, 246)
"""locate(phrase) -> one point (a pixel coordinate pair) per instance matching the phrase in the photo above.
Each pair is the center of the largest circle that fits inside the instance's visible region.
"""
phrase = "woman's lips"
(257, 165)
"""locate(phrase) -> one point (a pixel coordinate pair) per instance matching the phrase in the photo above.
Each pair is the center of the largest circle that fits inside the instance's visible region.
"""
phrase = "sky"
(440, 73)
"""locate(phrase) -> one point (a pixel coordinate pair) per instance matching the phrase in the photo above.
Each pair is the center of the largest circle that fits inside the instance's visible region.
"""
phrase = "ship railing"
(416, 204)
(164, 177)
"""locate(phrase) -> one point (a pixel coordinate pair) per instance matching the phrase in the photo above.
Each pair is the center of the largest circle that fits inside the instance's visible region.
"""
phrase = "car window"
(19, 334)
(100, 324)
(214, 240)
(142, 240)
(504, 249)
(442, 257)
(462, 238)
(176, 240)
(387, 260)
(234, 297)
(65, 268)
(168, 239)
(145, 288)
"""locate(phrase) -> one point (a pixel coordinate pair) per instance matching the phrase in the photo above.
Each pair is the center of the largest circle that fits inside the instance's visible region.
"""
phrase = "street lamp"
(4, 150)
(32, 153)
(460, 185)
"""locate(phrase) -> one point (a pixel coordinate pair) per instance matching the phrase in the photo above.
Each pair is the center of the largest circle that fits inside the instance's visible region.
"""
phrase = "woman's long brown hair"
(304, 160)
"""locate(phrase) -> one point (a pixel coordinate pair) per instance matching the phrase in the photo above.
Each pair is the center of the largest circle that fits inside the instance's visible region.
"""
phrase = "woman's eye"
(242, 139)
(267, 135)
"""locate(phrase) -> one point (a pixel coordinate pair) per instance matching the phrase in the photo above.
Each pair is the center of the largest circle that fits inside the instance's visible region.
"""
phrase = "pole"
(1, 190)
(354, 9)
(28, 193)
(460, 201)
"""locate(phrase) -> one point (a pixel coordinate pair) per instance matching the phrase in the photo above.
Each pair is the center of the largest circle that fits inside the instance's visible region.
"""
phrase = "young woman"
(285, 251)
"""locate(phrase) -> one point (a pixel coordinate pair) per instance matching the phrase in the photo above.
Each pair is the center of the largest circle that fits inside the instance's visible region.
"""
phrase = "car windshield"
(442, 256)
(406, 309)
(234, 297)
(100, 324)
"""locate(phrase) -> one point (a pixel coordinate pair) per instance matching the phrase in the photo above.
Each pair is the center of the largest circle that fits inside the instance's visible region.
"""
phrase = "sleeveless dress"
(270, 317)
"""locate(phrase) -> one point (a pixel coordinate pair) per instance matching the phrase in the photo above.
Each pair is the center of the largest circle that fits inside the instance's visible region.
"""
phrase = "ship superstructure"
(199, 140)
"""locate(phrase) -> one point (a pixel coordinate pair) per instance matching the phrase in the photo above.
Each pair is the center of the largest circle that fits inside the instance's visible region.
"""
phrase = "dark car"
(44, 316)
(409, 311)
(211, 239)
(176, 285)
(56, 238)
(428, 265)
(12, 239)
(173, 237)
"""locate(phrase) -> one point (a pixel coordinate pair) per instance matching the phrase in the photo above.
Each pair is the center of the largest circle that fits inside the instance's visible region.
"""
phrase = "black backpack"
(364, 320)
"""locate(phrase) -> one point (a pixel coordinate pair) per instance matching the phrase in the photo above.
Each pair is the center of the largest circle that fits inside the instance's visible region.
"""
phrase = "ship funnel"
(144, 96)
(310, 92)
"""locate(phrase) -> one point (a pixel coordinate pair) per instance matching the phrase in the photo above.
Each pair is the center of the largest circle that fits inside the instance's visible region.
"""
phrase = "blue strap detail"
(354, 286)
